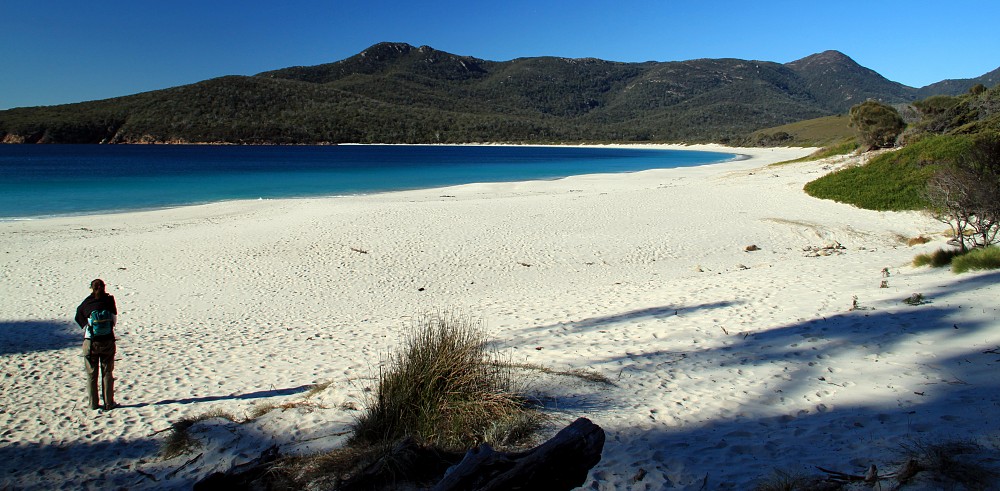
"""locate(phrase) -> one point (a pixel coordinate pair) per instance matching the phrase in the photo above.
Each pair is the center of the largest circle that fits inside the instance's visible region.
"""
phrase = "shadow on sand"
(846, 436)
(602, 322)
(22, 337)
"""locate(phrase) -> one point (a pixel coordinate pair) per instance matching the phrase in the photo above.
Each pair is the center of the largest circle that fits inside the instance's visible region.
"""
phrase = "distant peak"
(383, 49)
(828, 57)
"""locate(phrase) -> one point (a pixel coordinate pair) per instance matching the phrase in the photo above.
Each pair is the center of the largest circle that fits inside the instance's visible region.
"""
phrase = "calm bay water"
(52, 180)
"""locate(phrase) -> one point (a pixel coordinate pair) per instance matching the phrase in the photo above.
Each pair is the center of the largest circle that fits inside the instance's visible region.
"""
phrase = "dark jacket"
(90, 304)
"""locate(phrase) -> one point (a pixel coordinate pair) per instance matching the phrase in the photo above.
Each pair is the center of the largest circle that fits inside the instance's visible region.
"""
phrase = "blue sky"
(61, 51)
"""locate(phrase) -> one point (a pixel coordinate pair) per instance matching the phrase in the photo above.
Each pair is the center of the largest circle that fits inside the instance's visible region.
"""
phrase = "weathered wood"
(241, 476)
(406, 465)
(562, 462)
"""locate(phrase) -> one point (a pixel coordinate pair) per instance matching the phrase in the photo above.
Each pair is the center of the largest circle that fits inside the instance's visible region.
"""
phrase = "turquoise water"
(54, 180)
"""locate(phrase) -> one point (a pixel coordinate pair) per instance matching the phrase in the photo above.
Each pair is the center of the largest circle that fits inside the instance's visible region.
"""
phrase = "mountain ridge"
(399, 93)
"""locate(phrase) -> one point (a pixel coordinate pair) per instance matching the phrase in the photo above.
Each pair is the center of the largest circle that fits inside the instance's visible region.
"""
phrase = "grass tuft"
(956, 461)
(937, 259)
(578, 373)
(318, 388)
(179, 441)
(446, 388)
(845, 147)
(977, 259)
(784, 481)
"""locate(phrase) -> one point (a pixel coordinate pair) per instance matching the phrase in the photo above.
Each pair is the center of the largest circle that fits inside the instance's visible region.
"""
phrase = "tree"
(966, 194)
(877, 124)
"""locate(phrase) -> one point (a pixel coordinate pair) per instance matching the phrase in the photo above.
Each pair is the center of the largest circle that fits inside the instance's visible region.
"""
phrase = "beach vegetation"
(261, 409)
(977, 259)
(447, 388)
(955, 464)
(578, 373)
(891, 181)
(944, 137)
(319, 387)
(878, 125)
(179, 440)
(825, 131)
(781, 480)
(845, 147)
(965, 194)
(937, 105)
(937, 259)
(984, 258)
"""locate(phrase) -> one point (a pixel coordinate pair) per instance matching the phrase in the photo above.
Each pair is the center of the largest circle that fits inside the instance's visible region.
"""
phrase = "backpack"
(101, 322)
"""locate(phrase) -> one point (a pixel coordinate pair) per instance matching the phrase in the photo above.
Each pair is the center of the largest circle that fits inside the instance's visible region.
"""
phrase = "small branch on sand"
(147, 475)
(175, 471)
(156, 432)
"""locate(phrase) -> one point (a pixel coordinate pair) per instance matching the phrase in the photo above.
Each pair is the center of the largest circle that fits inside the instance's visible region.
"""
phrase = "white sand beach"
(727, 363)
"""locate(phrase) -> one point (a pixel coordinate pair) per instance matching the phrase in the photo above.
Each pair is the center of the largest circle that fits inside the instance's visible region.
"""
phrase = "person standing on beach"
(98, 350)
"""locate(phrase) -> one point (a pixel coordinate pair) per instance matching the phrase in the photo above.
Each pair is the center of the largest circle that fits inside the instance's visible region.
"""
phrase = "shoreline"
(728, 361)
(708, 148)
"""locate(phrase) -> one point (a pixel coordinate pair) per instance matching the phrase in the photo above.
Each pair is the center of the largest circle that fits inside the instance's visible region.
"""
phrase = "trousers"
(99, 361)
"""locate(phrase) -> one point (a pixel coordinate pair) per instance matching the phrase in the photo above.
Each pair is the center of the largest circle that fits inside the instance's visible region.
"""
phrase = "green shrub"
(937, 259)
(977, 259)
(877, 124)
(892, 181)
(966, 194)
(446, 388)
(937, 105)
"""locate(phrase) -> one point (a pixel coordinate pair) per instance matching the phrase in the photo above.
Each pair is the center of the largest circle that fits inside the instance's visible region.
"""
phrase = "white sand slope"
(727, 363)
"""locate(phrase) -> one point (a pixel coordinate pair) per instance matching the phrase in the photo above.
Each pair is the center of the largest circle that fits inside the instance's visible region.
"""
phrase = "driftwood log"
(241, 476)
(563, 462)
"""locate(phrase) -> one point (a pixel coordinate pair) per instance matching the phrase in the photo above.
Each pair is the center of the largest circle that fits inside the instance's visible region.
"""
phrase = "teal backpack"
(101, 322)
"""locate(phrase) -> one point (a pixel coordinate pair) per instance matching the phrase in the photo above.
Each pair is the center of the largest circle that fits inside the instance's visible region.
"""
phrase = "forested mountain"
(959, 86)
(397, 93)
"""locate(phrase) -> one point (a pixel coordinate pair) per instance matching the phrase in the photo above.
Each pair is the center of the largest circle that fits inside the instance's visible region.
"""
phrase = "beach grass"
(446, 387)
(937, 259)
(180, 441)
(825, 131)
(917, 240)
(961, 262)
(960, 462)
(977, 259)
(780, 480)
(844, 147)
